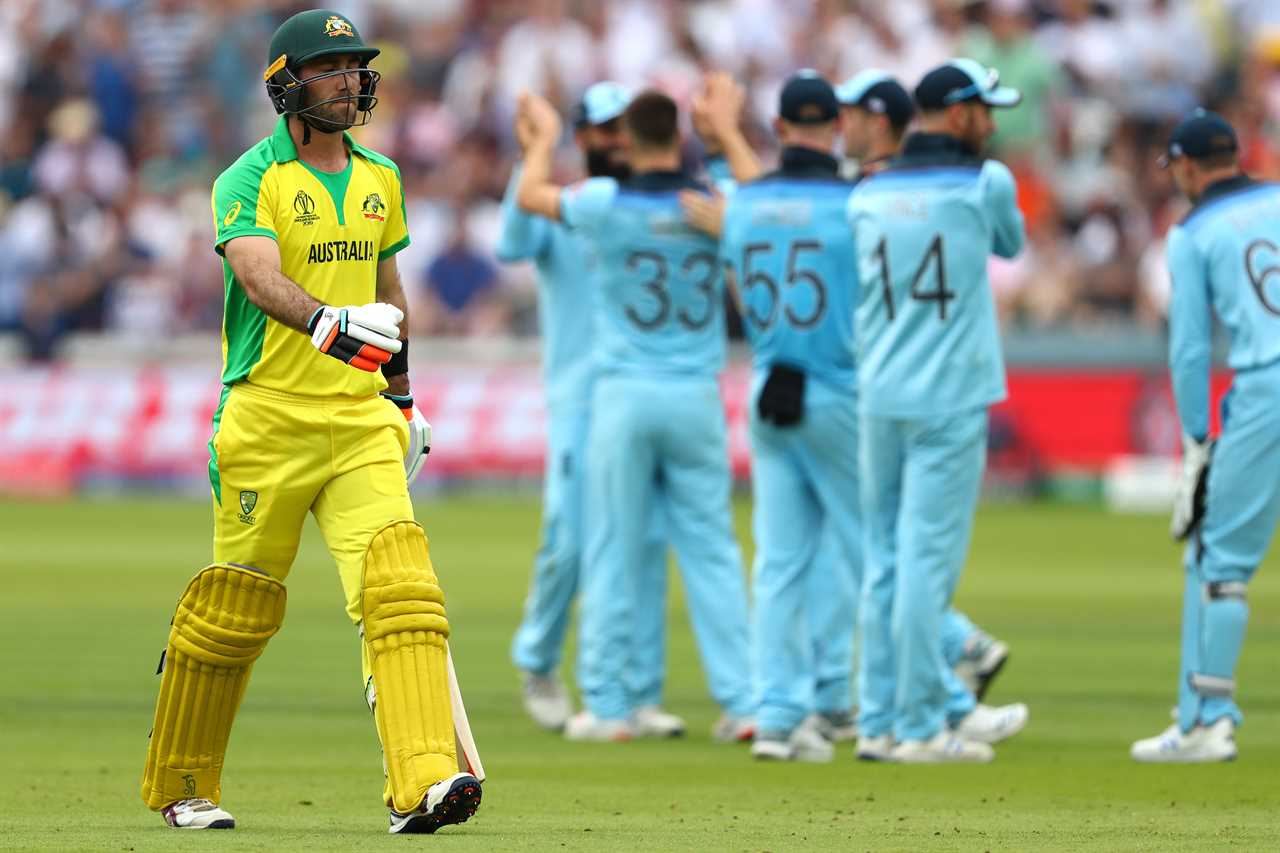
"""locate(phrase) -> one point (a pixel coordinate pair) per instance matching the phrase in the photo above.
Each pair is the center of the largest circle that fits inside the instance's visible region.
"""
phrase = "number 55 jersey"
(786, 248)
(928, 343)
(658, 283)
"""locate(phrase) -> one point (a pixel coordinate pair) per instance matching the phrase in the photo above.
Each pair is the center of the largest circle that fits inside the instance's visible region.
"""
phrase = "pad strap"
(1215, 590)
(1212, 685)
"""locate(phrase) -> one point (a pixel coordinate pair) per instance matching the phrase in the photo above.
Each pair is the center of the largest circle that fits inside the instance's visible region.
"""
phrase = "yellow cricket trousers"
(274, 456)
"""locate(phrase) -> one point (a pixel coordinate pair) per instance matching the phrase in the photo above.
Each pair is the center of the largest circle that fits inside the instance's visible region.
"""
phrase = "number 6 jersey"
(1224, 258)
(658, 290)
(928, 343)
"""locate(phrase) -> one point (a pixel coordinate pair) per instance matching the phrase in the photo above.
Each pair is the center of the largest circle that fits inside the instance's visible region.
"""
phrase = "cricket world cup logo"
(305, 206)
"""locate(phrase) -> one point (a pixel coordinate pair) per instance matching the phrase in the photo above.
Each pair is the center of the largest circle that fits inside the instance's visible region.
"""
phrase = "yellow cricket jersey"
(332, 229)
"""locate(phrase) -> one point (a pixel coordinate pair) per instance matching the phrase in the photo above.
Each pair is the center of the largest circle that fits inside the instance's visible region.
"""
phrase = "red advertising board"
(60, 427)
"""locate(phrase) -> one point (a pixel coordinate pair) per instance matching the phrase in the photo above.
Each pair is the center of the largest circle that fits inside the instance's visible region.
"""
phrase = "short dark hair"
(653, 120)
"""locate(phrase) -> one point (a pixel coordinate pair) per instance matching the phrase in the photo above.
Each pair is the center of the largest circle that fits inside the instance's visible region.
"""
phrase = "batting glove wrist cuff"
(399, 363)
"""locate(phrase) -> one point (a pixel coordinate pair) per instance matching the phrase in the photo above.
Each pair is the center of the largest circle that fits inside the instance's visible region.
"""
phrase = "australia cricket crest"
(248, 500)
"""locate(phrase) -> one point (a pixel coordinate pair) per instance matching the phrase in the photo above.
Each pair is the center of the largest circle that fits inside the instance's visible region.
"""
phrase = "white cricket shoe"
(652, 721)
(874, 748)
(586, 726)
(197, 814)
(546, 700)
(1201, 745)
(836, 726)
(943, 748)
(448, 801)
(983, 659)
(731, 729)
(987, 724)
(803, 743)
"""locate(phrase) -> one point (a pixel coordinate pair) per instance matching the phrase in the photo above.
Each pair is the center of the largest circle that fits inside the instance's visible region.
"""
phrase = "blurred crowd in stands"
(117, 114)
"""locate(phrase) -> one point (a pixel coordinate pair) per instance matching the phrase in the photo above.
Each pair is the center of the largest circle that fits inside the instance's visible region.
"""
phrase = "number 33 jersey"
(1224, 259)
(928, 341)
(789, 258)
(658, 293)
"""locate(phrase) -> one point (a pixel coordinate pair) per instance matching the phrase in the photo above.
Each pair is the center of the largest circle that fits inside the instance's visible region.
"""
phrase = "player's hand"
(542, 122)
(419, 435)
(363, 336)
(717, 108)
(1189, 502)
(702, 211)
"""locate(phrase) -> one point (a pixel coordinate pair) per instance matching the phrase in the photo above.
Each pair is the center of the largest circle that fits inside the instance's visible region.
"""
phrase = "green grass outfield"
(1088, 601)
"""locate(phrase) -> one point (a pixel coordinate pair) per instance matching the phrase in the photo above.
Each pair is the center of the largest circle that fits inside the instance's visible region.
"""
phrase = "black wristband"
(399, 363)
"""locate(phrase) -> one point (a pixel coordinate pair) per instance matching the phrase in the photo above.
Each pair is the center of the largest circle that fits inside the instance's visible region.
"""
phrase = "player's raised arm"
(522, 236)
(717, 111)
(537, 131)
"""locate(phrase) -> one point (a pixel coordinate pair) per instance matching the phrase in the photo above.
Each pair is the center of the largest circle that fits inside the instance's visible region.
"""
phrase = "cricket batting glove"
(363, 336)
(419, 435)
(1188, 503)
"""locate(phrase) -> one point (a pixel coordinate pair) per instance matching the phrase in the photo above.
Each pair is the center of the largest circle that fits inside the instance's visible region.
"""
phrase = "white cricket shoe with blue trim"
(1201, 745)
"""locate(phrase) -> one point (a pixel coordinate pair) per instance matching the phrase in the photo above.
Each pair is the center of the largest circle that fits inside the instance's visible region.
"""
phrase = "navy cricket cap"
(1201, 134)
(961, 80)
(877, 92)
(808, 99)
(601, 103)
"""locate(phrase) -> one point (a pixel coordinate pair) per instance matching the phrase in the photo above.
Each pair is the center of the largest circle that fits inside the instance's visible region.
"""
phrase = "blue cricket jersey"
(659, 292)
(786, 243)
(1224, 259)
(564, 262)
(928, 342)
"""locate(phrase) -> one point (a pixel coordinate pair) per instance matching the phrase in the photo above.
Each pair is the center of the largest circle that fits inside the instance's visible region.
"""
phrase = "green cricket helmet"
(311, 35)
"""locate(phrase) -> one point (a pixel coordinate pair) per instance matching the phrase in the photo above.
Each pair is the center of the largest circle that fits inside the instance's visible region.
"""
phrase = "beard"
(337, 115)
(601, 164)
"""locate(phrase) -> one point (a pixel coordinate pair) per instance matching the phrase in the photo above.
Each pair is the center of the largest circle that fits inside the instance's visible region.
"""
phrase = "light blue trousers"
(805, 483)
(660, 441)
(1242, 509)
(539, 641)
(920, 481)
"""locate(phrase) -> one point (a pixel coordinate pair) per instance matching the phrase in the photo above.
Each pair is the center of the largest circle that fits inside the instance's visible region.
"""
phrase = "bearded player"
(316, 414)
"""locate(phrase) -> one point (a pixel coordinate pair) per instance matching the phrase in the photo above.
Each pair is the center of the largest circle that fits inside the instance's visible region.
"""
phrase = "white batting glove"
(363, 336)
(1188, 502)
(419, 435)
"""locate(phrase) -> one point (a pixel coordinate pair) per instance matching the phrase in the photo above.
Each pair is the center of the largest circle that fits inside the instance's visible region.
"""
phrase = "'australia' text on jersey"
(342, 250)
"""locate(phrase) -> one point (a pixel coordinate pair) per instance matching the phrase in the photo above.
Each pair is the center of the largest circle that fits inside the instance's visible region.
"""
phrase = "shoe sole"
(458, 806)
(220, 823)
(985, 678)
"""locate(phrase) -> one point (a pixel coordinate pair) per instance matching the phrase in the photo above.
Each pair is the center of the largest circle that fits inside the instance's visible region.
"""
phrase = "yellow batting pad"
(224, 620)
(405, 630)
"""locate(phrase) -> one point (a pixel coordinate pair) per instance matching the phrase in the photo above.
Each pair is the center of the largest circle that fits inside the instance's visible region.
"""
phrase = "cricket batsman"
(315, 415)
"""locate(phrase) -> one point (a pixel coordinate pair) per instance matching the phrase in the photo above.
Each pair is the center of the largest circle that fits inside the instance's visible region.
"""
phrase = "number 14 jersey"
(658, 293)
(928, 341)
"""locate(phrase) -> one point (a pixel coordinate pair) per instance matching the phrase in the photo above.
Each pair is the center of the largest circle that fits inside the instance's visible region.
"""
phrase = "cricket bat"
(467, 751)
